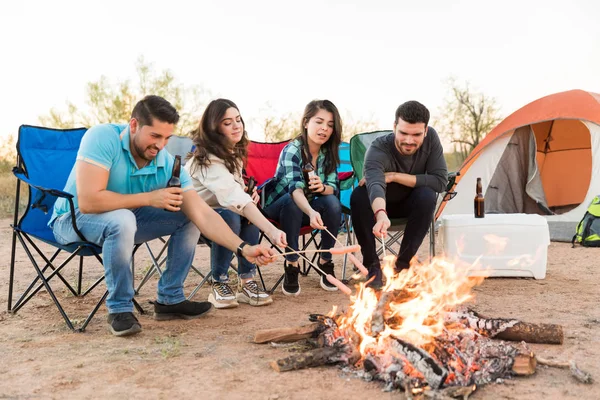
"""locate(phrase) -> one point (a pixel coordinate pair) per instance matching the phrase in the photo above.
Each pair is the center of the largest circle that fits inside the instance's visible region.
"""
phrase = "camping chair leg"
(272, 290)
(349, 242)
(206, 277)
(135, 304)
(49, 263)
(303, 270)
(202, 282)
(32, 284)
(11, 278)
(47, 285)
(99, 279)
(262, 281)
(432, 240)
(80, 277)
(390, 242)
(313, 239)
(155, 265)
(26, 296)
(89, 318)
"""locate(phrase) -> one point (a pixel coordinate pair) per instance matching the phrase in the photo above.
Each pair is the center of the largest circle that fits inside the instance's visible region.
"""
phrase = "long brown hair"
(208, 140)
(332, 157)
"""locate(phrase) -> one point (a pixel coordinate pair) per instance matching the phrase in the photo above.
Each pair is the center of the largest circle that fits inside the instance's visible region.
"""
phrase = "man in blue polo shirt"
(120, 196)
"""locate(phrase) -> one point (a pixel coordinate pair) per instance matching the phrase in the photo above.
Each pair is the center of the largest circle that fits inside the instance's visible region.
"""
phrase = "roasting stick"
(351, 256)
(345, 289)
(336, 250)
(383, 245)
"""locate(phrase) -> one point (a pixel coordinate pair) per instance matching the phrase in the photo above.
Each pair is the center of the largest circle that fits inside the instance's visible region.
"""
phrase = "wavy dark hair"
(209, 140)
(332, 157)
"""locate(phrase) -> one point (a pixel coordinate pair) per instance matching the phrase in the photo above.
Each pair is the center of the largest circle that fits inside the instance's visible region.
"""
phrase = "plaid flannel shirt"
(288, 176)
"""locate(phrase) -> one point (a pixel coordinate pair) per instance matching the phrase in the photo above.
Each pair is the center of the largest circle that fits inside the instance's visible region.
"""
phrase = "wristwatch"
(240, 248)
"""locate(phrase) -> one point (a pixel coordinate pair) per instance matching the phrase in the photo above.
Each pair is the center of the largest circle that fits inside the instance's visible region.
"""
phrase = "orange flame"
(413, 304)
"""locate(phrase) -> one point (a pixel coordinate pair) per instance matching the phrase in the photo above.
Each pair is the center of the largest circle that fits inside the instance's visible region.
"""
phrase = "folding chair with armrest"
(262, 164)
(45, 158)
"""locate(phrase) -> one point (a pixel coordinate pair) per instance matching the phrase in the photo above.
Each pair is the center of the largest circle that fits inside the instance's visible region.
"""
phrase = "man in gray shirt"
(403, 171)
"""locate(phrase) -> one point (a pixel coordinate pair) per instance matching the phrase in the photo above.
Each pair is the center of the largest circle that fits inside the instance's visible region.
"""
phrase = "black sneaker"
(123, 324)
(375, 278)
(290, 285)
(327, 268)
(401, 265)
(184, 310)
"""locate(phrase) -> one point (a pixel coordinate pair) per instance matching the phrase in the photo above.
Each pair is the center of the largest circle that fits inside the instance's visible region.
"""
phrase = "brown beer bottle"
(479, 200)
(308, 171)
(174, 181)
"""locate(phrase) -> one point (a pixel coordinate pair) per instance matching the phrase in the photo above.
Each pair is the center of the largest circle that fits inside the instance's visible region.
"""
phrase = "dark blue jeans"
(220, 256)
(291, 218)
(417, 205)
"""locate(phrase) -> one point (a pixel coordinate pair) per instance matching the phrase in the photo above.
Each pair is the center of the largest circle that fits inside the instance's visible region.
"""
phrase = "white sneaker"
(251, 293)
(222, 296)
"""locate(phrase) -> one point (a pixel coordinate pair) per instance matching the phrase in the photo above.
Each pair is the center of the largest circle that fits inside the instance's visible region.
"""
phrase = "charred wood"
(509, 329)
(434, 373)
(317, 357)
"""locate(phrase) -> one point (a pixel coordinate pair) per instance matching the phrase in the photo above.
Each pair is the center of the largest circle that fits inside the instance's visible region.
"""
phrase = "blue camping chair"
(45, 158)
(347, 182)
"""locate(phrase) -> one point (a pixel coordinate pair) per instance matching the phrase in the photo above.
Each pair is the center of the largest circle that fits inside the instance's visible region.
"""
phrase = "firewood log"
(524, 364)
(289, 334)
(316, 357)
(509, 329)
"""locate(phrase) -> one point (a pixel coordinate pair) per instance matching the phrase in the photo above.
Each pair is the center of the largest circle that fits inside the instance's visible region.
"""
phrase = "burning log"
(317, 357)
(509, 329)
(434, 373)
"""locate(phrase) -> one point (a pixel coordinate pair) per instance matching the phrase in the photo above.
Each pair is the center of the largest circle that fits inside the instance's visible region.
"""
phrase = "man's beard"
(142, 152)
(412, 149)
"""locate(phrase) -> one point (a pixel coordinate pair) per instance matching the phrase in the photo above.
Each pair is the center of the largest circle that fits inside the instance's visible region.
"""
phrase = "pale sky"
(365, 56)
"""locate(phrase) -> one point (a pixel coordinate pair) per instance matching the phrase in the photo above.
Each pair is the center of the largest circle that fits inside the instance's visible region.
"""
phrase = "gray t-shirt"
(427, 164)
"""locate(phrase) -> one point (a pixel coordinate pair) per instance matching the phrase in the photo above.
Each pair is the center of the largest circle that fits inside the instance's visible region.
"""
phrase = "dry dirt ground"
(214, 357)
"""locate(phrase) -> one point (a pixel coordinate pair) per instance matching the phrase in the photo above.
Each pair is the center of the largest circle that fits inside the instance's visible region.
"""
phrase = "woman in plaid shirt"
(295, 202)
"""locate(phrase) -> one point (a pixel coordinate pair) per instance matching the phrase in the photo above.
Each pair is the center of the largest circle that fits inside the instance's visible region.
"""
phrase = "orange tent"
(544, 158)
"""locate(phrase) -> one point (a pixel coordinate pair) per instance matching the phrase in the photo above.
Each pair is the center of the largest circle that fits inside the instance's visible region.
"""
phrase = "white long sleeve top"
(217, 186)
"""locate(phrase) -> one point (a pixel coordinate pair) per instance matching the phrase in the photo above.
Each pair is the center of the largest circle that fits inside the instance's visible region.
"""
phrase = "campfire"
(416, 335)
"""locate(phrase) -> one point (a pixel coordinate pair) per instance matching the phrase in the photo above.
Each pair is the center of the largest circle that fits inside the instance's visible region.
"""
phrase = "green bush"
(8, 185)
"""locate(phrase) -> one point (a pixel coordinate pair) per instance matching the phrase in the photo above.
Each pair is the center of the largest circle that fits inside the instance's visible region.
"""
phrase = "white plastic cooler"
(506, 244)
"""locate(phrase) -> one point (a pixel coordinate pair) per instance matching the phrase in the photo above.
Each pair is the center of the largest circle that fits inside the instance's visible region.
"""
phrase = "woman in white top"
(216, 169)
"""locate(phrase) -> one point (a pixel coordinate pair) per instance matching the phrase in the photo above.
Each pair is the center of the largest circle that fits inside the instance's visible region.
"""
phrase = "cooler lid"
(494, 219)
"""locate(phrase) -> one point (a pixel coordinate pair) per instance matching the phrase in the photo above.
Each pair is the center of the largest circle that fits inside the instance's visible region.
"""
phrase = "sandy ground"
(214, 357)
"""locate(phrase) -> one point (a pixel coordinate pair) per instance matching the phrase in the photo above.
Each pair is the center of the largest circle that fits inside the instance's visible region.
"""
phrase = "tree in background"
(355, 126)
(277, 129)
(113, 103)
(466, 117)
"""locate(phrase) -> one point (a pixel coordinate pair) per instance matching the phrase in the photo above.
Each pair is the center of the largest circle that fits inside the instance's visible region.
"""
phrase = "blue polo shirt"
(107, 146)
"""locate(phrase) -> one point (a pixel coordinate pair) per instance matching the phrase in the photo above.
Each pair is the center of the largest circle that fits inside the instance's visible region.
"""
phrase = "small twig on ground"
(580, 375)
